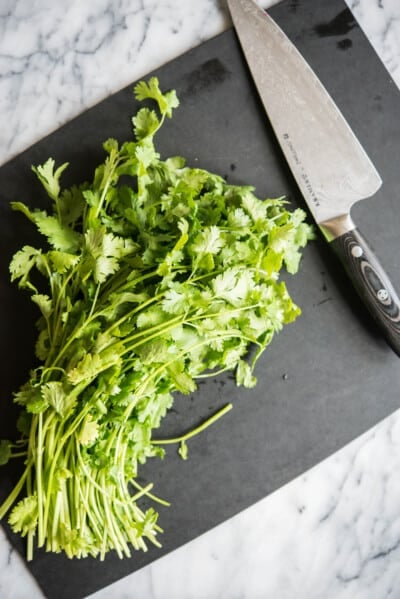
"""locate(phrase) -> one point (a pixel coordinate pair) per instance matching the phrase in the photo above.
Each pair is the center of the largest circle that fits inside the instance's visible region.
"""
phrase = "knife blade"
(330, 166)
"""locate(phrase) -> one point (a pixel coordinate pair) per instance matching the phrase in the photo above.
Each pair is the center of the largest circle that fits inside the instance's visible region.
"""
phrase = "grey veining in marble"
(55, 61)
(334, 533)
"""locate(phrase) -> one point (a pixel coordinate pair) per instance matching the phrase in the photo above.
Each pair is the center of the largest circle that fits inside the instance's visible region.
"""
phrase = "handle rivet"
(356, 251)
(382, 295)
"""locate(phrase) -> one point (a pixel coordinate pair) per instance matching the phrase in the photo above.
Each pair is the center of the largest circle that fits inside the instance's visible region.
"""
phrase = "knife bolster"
(335, 227)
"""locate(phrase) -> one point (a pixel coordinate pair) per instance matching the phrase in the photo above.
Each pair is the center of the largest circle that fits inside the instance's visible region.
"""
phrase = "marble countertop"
(333, 533)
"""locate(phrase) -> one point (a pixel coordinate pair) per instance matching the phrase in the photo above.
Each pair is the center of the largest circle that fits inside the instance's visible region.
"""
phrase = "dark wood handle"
(371, 282)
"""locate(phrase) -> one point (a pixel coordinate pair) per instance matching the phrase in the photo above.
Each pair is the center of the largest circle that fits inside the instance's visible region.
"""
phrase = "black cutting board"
(325, 379)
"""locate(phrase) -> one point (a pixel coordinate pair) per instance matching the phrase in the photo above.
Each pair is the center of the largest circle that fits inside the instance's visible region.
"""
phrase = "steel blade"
(329, 164)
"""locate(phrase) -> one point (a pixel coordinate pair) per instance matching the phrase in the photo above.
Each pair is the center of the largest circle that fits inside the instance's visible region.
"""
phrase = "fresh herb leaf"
(50, 178)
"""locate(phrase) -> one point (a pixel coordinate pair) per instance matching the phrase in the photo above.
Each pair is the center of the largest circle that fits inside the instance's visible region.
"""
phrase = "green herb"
(153, 276)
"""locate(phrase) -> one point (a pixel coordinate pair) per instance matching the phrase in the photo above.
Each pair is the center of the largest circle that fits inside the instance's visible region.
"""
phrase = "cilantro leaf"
(49, 177)
(62, 261)
(44, 302)
(244, 375)
(151, 90)
(145, 123)
(54, 394)
(71, 205)
(60, 236)
(24, 516)
(22, 263)
(208, 241)
(89, 431)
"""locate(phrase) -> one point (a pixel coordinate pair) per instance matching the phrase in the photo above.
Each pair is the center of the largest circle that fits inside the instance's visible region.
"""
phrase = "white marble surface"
(334, 533)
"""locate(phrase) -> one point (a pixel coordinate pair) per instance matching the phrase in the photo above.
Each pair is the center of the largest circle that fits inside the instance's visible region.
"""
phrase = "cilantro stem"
(89, 476)
(113, 530)
(60, 447)
(155, 331)
(92, 316)
(145, 491)
(94, 301)
(29, 546)
(93, 512)
(6, 505)
(39, 485)
(56, 515)
(90, 511)
(20, 454)
(120, 282)
(196, 430)
(61, 298)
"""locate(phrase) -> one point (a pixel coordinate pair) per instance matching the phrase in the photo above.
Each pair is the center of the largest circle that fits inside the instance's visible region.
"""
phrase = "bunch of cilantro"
(153, 275)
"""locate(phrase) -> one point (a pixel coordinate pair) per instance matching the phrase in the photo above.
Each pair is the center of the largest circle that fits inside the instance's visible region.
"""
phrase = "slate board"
(325, 379)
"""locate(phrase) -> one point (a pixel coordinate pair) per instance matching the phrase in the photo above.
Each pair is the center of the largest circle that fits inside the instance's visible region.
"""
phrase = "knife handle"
(371, 282)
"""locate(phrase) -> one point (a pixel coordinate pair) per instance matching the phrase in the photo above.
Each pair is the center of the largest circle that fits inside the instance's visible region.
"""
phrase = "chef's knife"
(329, 164)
